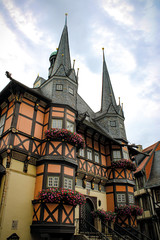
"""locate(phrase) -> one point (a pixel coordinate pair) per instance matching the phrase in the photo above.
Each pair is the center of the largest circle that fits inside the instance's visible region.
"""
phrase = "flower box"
(133, 210)
(58, 195)
(66, 135)
(124, 163)
(104, 215)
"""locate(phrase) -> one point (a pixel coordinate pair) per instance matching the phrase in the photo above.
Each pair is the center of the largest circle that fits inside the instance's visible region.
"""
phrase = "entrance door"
(86, 217)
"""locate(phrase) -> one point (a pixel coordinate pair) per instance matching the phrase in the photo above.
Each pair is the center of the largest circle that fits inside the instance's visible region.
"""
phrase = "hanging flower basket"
(104, 215)
(124, 163)
(66, 135)
(57, 195)
(133, 210)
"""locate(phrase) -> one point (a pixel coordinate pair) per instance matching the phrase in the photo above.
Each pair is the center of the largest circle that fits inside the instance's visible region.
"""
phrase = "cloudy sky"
(128, 30)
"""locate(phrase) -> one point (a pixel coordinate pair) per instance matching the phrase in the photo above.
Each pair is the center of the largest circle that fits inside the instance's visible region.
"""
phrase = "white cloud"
(120, 10)
(24, 21)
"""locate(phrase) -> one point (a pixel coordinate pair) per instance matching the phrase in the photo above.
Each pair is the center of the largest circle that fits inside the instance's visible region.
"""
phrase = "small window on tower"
(96, 156)
(121, 198)
(113, 123)
(59, 87)
(89, 154)
(67, 183)
(70, 90)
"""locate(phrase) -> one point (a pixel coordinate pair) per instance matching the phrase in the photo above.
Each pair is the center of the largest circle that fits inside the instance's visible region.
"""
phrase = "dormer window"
(57, 123)
(70, 90)
(59, 87)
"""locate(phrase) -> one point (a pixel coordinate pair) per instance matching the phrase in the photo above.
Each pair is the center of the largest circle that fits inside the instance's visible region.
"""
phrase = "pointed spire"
(107, 91)
(63, 62)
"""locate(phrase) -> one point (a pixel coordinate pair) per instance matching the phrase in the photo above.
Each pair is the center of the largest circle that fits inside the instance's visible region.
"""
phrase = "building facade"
(32, 160)
(147, 190)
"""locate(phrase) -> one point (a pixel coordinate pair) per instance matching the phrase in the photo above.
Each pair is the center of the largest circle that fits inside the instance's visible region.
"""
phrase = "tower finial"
(103, 52)
(66, 14)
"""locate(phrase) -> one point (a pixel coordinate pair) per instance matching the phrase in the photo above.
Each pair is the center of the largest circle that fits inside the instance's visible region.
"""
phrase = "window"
(70, 126)
(56, 123)
(79, 182)
(2, 121)
(131, 199)
(158, 195)
(113, 123)
(88, 185)
(125, 155)
(116, 155)
(70, 90)
(121, 198)
(53, 181)
(96, 155)
(81, 152)
(68, 183)
(59, 87)
(89, 154)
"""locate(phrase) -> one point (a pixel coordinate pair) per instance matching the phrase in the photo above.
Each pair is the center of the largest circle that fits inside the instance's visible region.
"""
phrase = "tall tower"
(111, 115)
(62, 84)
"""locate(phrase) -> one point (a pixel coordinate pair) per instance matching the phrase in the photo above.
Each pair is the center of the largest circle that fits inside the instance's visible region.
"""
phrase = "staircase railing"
(84, 227)
(115, 235)
(138, 235)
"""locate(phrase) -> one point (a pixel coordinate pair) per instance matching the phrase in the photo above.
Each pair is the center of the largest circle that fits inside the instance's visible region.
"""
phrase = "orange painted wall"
(54, 168)
(109, 189)
(3, 111)
(10, 111)
(22, 138)
(89, 142)
(38, 131)
(120, 188)
(40, 117)
(40, 169)
(103, 160)
(24, 124)
(58, 109)
(59, 149)
(68, 171)
(102, 149)
(96, 147)
(110, 202)
(7, 124)
(46, 118)
(38, 185)
(57, 114)
(26, 110)
(72, 155)
(130, 189)
(70, 118)
(28, 101)
(71, 113)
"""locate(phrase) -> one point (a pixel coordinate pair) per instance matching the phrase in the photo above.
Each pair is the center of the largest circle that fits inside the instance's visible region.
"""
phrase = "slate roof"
(143, 160)
(154, 179)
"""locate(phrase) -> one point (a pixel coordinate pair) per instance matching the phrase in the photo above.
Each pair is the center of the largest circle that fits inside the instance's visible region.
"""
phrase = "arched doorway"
(86, 216)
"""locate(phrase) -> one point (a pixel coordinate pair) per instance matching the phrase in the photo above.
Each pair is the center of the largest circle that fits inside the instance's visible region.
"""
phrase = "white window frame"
(88, 185)
(125, 155)
(89, 154)
(96, 157)
(70, 126)
(68, 183)
(81, 152)
(131, 198)
(71, 91)
(2, 122)
(59, 87)
(116, 155)
(121, 198)
(54, 180)
(57, 123)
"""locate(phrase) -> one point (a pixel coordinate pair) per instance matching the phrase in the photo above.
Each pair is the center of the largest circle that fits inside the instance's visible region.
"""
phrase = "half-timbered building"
(31, 160)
